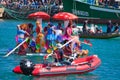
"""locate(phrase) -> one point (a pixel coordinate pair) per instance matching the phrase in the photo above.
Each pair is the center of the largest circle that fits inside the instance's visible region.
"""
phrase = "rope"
(13, 14)
(117, 14)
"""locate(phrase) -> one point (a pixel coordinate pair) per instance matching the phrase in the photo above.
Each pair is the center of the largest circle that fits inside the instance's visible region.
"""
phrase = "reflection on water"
(70, 77)
(23, 77)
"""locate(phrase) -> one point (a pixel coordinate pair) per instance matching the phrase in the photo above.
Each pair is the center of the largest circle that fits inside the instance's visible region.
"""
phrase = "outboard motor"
(26, 66)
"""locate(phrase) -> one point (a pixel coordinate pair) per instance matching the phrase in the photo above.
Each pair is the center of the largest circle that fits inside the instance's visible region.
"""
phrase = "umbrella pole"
(66, 23)
(40, 20)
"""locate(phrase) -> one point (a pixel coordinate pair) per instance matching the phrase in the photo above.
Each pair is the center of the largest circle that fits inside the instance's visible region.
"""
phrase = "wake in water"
(3, 51)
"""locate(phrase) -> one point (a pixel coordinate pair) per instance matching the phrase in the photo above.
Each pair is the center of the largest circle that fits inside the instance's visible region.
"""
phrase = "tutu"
(65, 37)
(51, 37)
(20, 40)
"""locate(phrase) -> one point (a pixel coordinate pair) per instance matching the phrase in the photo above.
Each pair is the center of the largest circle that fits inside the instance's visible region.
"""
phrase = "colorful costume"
(51, 37)
(40, 43)
(68, 33)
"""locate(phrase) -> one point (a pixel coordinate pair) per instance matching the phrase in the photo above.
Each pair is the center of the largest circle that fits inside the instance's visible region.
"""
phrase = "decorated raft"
(78, 66)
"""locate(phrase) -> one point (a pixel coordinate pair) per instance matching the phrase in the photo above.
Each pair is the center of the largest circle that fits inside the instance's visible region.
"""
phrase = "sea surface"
(108, 50)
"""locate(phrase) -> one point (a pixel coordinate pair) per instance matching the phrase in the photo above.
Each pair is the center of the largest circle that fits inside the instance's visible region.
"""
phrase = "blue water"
(108, 50)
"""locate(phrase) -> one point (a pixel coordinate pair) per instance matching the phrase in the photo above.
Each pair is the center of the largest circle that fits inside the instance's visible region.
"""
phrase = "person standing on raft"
(21, 36)
(39, 37)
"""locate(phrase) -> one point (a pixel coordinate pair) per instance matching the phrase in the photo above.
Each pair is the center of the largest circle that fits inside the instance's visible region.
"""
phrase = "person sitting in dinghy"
(57, 54)
(67, 49)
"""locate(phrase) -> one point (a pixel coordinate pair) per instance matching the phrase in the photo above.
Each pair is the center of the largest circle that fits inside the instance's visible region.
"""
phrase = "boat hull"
(99, 35)
(83, 10)
(92, 12)
(78, 66)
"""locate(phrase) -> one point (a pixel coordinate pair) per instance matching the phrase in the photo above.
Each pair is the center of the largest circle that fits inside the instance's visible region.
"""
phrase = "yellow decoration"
(49, 51)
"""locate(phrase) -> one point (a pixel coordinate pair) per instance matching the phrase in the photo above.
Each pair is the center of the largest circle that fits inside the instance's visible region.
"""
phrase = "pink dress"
(68, 33)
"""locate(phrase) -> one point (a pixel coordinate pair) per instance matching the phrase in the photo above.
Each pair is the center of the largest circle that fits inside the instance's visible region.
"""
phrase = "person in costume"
(38, 27)
(68, 31)
(50, 36)
(40, 43)
(20, 37)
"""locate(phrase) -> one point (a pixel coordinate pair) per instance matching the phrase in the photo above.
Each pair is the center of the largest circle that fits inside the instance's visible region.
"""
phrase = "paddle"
(87, 42)
(67, 43)
(16, 47)
(45, 57)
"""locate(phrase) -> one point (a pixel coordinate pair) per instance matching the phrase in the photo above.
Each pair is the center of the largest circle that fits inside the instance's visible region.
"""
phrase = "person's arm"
(68, 32)
(18, 26)
(27, 33)
(65, 56)
(41, 29)
(46, 56)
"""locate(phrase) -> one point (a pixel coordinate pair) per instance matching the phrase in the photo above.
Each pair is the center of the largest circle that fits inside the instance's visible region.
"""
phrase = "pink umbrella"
(65, 16)
(42, 15)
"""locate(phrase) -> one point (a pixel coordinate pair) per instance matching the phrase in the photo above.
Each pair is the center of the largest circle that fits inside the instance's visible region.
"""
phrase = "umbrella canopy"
(65, 16)
(40, 14)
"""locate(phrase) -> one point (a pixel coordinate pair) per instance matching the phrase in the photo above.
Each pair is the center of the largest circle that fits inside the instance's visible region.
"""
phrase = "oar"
(67, 43)
(16, 47)
(45, 57)
(87, 42)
